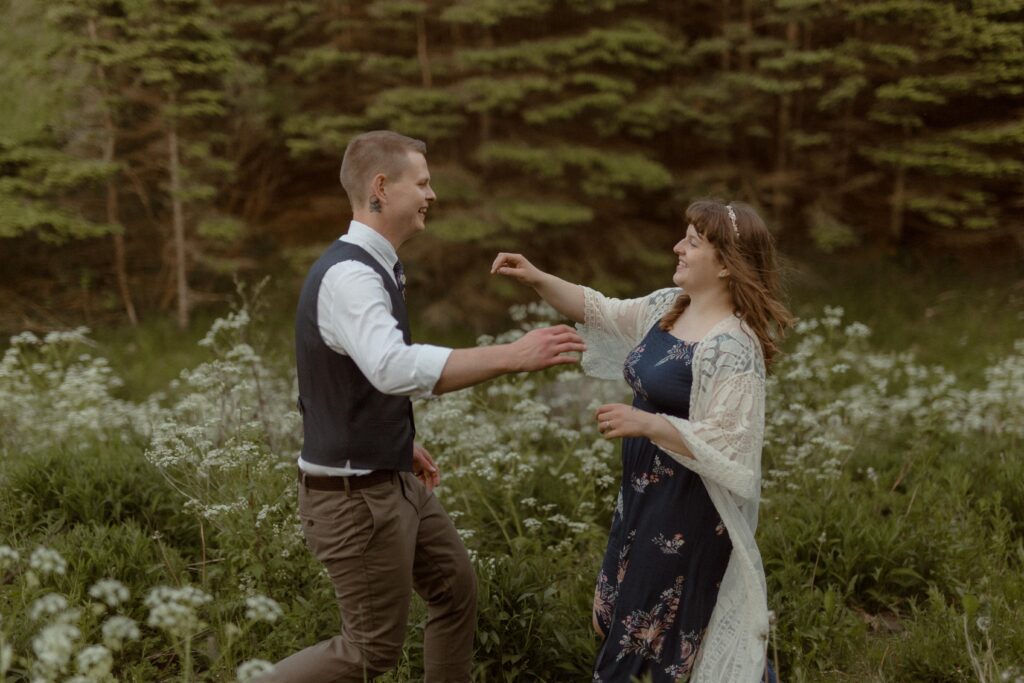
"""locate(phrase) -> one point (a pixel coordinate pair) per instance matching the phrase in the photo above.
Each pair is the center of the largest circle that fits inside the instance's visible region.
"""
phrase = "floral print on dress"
(620, 575)
(669, 546)
(604, 599)
(681, 350)
(606, 592)
(645, 629)
(629, 370)
(689, 645)
(644, 479)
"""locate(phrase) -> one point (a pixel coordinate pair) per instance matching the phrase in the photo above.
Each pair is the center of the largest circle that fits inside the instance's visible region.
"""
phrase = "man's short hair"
(379, 151)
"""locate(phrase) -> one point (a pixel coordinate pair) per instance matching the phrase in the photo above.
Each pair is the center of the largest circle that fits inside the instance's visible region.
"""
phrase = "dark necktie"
(400, 278)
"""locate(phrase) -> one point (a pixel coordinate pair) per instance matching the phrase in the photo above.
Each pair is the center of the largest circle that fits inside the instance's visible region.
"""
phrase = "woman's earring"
(724, 273)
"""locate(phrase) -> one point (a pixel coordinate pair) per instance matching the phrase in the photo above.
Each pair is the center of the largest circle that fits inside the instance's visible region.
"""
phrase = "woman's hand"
(617, 420)
(424, 468)
(518, 268)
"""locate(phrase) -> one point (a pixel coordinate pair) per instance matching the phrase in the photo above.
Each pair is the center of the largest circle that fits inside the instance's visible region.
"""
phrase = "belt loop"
(348, 488)
(302, 480)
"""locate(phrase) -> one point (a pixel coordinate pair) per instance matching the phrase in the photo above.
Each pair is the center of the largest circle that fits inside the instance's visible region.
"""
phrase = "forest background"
(150, 150)
(159, 157)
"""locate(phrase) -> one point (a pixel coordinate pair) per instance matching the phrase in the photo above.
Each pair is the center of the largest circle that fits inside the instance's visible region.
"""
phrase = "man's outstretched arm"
(536, 350)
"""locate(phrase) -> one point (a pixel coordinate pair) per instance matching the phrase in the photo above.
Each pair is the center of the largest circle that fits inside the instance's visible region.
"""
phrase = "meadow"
(147, 500)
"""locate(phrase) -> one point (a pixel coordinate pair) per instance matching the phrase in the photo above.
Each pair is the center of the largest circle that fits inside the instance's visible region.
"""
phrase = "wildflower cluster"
(110, 592)
(524, 473)
(262, 608)
(833, 390)
(231, 429)
(528, 447)
(53, 394)
(175, 610)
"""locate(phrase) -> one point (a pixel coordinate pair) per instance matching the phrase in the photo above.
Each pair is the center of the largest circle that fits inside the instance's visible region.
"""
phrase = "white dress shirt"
(354, 318)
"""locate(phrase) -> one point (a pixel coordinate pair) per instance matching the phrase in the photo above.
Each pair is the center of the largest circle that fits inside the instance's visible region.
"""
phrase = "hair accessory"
(732, 219)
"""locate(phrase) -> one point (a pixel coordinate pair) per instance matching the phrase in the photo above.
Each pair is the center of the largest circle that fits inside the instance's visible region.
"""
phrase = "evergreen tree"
(94, 36)
(947, 133)
(184, 61)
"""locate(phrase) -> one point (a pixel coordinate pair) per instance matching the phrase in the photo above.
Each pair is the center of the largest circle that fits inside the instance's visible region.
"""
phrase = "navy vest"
(344, 418)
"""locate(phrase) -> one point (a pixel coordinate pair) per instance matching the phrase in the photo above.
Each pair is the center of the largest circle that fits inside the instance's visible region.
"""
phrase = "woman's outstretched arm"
(564, 297)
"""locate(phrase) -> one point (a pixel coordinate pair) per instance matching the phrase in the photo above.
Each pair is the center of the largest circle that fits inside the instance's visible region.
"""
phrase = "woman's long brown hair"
(748, 253)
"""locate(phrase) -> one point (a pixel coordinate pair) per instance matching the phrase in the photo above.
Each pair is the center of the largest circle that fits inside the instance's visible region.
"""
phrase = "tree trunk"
(421, 50)
(898, 197)
(485, 116)
(178, 213)
(744, 157)
(119, 261)
(113, 217)
(780, 199)
(726, 55)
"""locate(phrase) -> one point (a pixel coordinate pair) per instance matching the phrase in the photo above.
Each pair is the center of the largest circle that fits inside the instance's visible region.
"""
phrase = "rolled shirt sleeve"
(355, 319)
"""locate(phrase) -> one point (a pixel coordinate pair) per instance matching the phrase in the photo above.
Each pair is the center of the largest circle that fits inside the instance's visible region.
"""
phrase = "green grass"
(948, 313)
(873, 574)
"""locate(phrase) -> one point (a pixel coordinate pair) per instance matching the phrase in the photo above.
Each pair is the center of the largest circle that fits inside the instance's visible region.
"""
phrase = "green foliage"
(419, 112)
(529, 626)
(34, 179)
(892, 528)
(852, 126)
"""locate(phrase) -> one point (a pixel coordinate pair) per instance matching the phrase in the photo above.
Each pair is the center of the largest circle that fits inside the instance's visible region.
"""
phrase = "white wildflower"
(95, 663)
(174, 609)
(857, 331)
(111, 592)
(8, 556)
(24, 339)
(262, 608)
(47, 561)
(47, 606)
(834, 311)
(6, 658)
(251, 669)
(175, 618)
(53, 647)
(984, 624)
(117, 630)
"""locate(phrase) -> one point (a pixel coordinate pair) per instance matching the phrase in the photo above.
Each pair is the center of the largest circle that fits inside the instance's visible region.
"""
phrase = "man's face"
(409, 195)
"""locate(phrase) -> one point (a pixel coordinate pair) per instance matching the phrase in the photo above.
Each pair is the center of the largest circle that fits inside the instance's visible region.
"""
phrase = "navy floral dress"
(667, 549)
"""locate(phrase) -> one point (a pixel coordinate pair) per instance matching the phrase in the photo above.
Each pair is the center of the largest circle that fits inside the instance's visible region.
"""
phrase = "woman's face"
(698, 266)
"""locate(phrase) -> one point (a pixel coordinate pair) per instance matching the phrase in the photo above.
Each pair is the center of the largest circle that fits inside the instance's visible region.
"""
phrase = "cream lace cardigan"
(724, 434)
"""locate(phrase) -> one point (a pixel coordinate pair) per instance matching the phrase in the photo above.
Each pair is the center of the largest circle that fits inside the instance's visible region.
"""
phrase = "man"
(365, 486)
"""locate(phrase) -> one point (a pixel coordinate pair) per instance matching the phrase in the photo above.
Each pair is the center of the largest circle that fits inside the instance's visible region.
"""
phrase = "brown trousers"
(379, 544)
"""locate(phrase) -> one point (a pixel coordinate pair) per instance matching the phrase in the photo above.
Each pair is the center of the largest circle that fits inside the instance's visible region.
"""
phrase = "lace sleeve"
(726, 431)
(610, 329)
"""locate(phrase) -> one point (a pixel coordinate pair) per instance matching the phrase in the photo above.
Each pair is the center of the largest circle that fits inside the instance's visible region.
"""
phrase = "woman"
(681, 592)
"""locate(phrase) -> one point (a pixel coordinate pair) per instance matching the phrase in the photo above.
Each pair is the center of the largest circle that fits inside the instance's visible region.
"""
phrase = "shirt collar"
(364, 236)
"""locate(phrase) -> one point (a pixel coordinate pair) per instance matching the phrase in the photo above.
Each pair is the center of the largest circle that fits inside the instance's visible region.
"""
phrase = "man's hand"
(424, 468)
(616, 420)
(545, 347)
